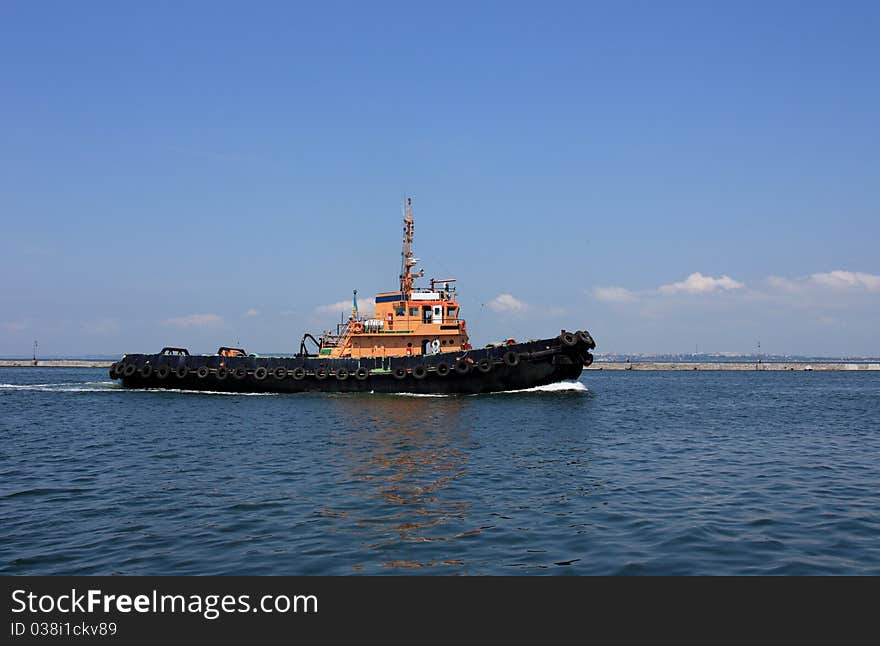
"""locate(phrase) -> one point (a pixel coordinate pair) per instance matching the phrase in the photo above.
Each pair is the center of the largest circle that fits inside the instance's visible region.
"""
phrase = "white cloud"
(341, 306)
(840, 279)
(193, 320)
(333, 308)
(812, 291)
(251, 313)
(614, 295)
(507, 303)
(697, 283)
(784, 284)
(816, 284)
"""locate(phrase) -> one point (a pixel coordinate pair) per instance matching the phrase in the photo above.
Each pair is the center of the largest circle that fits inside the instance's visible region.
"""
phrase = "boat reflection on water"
(412, 452)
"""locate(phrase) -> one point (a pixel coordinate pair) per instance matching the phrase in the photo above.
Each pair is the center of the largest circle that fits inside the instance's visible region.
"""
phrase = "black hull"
(510, 367)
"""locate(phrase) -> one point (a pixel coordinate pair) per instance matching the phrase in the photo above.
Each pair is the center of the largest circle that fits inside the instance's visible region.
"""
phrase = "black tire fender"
(511, 358)
(568, 339)
(420, 372)
(361, 373)
(399, 373)
(298, 373)
(203, 372)
(585, 338)
(443, 369)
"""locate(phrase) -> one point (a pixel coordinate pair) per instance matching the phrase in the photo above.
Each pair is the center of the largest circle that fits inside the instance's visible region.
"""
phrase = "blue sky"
(666, 175)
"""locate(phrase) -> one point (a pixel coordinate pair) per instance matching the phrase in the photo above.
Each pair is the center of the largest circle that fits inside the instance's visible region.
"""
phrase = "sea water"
(624, 472)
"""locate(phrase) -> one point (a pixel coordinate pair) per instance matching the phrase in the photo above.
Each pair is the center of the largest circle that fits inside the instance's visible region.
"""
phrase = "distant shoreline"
(59, 363)
(598, 365)
(753, 366)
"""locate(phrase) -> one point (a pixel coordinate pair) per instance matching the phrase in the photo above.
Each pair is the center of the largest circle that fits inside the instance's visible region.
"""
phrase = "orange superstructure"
(410, 321)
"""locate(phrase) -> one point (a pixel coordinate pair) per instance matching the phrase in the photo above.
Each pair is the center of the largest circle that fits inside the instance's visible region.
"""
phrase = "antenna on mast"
(407, 260)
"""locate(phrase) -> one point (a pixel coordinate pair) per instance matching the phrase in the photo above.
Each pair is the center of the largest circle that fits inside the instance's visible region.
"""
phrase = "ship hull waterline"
(501, 368)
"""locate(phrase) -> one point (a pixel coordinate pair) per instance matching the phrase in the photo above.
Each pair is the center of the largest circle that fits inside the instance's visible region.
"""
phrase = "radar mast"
(407, 262)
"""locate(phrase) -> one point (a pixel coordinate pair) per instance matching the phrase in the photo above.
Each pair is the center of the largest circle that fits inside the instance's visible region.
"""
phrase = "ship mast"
(407, 260)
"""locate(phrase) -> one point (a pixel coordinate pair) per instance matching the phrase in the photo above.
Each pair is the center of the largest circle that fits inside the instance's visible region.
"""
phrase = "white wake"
(558, 387)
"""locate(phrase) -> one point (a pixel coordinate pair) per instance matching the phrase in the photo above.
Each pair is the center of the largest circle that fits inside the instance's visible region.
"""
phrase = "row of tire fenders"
(462, 366)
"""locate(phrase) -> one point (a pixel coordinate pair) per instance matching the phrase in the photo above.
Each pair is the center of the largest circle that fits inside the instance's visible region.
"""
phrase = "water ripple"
(631, 473)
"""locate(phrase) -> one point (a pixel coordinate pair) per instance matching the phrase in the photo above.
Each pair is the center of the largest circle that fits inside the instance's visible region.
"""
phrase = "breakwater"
(60, 363)
(789, 366)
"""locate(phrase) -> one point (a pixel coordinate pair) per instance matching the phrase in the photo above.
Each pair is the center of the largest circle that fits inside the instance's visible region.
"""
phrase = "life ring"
(358, 327)
(146, 370)
(409, 351)
(221, 373)
(443, 369)
(399, 373)
(435, 346)
(163, 371)
(484, 365)
(182, 371)
(462, 367)
(511, 358)
(203, 372)
(420, 372)
(260, 373)
(342, 374)
(280, 373)
(361, 373)
(129, 370)
(298, 373)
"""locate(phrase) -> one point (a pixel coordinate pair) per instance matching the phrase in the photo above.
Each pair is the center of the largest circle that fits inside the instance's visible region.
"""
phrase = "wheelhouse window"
(399, 311)
(414, 311)
(450, 312)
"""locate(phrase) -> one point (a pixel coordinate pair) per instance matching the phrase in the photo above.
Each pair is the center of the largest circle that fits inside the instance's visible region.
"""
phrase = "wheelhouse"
(409, 321)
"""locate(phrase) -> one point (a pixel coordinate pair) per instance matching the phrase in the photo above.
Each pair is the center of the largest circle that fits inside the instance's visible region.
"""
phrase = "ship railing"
(447, 294)
(444, 321)
(332, 340)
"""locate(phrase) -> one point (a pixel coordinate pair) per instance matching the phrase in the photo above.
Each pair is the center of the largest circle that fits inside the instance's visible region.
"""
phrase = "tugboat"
(415, 342)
